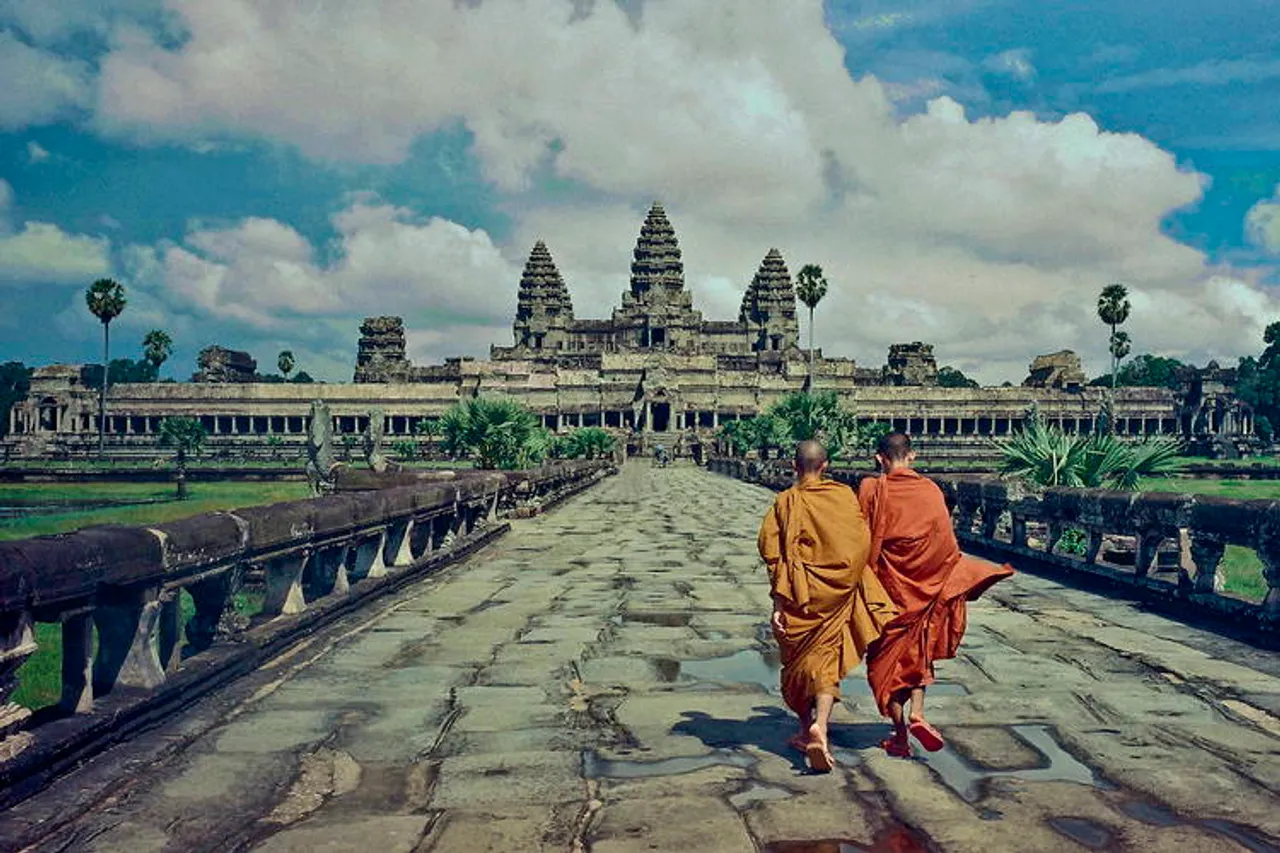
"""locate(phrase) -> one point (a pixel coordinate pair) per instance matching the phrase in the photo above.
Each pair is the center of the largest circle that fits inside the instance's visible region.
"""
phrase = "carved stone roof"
(541, 283)
(656, 268)
(771, 291)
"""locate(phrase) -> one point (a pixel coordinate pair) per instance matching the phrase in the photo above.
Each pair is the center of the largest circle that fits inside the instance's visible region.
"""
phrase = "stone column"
(128, 647)
(77, 662)
(17, 643)
(284, 585)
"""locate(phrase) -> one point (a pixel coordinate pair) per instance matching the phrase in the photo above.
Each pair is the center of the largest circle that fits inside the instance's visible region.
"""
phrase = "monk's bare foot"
(818, 751)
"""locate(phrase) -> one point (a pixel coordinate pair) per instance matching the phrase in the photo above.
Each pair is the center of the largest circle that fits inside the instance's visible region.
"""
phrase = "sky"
(262, 174)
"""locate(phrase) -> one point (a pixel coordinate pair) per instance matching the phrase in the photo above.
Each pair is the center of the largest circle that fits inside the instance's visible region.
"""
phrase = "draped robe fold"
(915, 555)
(814, 541)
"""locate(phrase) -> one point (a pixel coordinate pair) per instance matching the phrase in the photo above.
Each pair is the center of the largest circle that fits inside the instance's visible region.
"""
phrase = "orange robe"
(815, 542)
(915, 554)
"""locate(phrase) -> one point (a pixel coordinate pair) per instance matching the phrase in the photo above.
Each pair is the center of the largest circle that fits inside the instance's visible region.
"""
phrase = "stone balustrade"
(1165, 548)
(314, 559)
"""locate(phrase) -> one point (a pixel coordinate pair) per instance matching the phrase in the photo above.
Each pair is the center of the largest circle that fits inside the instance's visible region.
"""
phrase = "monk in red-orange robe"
(915, 555)
(827, 608)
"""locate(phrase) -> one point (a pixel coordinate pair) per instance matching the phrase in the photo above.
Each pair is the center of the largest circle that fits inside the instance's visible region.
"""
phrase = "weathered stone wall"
(316, 559)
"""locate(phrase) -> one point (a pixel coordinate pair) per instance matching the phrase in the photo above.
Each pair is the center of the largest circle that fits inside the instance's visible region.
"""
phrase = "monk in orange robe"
(916, 557)
(826, 608)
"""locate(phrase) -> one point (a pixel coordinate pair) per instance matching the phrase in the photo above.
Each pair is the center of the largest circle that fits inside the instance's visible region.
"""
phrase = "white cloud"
(41, 253)
(37, 153)
(1262, 223)
(40, 86)
(266, 280)
(990, 237)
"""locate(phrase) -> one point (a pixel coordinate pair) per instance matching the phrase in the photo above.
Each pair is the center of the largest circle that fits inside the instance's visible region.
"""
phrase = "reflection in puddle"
(1150, 813)
(757, 667)
(666, 620)
(1248, 838)
(897, 840)
(595, 767)
(966, 780)
(1083, 831)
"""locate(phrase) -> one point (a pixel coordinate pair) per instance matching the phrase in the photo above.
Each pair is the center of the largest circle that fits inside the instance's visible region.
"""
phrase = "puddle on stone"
(757, 793)
(897, 840)
(1083, 831)
(1151, 814)
(752, 666)
(958, 774)
(1248, 838)
(666, 620)
(595, 767)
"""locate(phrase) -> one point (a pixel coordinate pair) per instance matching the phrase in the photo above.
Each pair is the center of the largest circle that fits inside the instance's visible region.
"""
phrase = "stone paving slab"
(602, 679)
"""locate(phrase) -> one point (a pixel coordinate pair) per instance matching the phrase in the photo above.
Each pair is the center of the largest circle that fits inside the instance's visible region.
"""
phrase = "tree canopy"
(1146, 371)
(950, 377)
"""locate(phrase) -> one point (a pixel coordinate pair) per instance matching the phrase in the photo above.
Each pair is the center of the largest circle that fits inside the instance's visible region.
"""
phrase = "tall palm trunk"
(1115, 362)
(102, 392)
(810, 348)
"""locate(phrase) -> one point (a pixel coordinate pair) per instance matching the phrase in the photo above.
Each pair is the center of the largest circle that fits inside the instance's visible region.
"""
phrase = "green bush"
(494, 433)
(584, 443)
(1045, 455)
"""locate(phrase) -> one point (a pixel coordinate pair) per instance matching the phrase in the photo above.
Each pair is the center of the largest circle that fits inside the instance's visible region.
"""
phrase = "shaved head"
(811, 456)
(895, 447)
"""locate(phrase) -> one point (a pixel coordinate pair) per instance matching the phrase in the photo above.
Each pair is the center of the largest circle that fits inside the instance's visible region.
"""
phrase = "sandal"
(896, 747)
(820, 758)
(929, 737)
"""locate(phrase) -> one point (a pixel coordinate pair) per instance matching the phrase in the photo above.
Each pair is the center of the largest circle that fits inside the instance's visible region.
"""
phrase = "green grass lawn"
(1242, 489)
(204, 497)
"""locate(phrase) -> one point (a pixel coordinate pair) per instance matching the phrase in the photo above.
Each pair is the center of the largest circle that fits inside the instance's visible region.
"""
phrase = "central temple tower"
(657, 312)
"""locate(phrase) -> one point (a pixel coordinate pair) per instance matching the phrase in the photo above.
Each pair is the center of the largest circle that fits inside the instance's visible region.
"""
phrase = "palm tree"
(1045, 455)
(157, 346)
(185, 435)
(1113, 309)
(811, 286)
(286, 363)
(106, 301)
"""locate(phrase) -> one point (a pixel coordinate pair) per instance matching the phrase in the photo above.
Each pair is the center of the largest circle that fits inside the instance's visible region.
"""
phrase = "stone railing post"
(211, 597)
(77, 662)
(128, 641)
(364, 560)
(1206, 554)
(17, 643)
(399, 544)
(284, 584)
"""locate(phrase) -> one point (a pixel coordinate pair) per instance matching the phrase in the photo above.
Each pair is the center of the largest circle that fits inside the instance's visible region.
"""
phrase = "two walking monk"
(879, 574)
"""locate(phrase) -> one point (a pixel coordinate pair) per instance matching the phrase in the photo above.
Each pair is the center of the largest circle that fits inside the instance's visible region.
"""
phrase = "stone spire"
(769, 306)
(656, 271)
(544, 311)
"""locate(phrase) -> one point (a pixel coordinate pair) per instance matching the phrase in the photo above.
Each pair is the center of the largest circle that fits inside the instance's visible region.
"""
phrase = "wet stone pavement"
(602, 680)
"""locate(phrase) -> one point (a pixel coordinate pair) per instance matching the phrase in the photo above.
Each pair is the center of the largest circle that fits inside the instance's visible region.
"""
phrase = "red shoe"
(896, 747)
(929, 737)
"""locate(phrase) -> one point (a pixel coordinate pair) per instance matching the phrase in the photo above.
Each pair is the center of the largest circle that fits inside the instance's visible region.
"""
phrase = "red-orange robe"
(915, 554)
(815, 542)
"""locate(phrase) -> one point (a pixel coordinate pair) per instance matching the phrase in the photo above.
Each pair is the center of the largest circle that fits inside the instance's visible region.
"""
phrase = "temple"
(655, 371)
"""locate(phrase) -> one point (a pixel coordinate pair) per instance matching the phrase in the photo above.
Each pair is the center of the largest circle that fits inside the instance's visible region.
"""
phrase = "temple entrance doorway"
(661, 413)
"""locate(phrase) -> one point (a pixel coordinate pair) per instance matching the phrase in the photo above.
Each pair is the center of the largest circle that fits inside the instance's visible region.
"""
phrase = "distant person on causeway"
(915, 555)
(827, 608)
